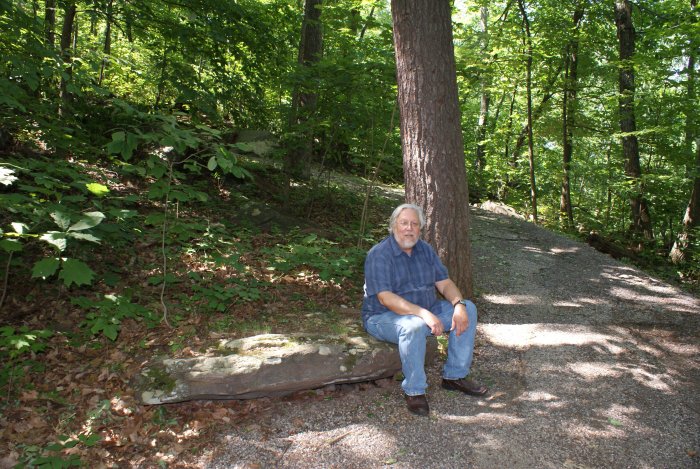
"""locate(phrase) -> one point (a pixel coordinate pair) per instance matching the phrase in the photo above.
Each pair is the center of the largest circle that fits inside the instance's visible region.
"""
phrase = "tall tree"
(528, 84)
(304, 97)
(568, 115)
(431, 135)
(50, 23)
(641, 218)
(480, 159)
(687, 237)
(107, 50)
(66, 53)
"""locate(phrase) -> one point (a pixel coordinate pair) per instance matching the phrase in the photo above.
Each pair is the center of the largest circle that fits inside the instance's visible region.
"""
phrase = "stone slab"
(270, 365)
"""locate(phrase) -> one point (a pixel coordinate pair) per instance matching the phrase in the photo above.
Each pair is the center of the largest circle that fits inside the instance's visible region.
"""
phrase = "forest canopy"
(582, 116)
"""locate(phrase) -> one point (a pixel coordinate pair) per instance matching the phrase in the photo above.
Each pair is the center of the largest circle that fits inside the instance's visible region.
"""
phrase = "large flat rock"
(270, 365)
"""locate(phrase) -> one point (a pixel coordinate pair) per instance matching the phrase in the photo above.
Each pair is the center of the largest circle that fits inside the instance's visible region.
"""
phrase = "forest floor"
(591, 363)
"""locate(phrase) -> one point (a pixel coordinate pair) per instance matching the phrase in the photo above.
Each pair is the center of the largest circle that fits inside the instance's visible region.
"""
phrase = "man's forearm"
(399, 305)
(449, 291)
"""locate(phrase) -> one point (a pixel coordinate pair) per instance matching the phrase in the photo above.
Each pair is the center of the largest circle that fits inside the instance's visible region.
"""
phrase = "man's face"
(407, 229)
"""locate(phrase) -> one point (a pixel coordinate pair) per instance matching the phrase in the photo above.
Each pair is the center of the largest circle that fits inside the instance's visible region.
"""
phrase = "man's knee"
(471, 311)
(412, 325)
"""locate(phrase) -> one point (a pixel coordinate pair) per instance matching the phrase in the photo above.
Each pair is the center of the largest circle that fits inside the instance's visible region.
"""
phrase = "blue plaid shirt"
(388, 268)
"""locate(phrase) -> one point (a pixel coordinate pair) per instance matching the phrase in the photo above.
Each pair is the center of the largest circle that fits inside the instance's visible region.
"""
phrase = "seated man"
(400, 305)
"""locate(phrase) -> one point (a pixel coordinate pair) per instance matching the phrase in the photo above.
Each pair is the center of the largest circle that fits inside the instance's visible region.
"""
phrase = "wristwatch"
(464, 302)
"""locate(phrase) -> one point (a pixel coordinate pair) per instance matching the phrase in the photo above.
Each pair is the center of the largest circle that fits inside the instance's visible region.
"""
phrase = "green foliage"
(17, 342)
(329, 260)
(44, 209)
(110, 312)
(50, 456)
(219, 298)
(70, 270)
(17, 346)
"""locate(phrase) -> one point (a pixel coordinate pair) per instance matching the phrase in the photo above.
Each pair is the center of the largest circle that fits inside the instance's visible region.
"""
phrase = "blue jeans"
(410, 333)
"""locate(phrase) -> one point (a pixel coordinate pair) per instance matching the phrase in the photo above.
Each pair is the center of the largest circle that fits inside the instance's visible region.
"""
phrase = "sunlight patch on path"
(542, 334)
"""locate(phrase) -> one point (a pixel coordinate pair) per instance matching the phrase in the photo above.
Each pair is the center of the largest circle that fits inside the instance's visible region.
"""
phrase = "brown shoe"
(417, 405)
(465, 385)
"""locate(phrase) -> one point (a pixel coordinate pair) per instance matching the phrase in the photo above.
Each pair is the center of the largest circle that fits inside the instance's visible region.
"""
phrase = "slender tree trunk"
(128, 18)
(431, 135)
(528, 84)
(304, 98)
(548, 93)
(50, 23)
(503, 192)
(568, 118)
(161, 80)
(108, 41)
(687, 244)
(66, 55)
(641, 218)
(480, 160)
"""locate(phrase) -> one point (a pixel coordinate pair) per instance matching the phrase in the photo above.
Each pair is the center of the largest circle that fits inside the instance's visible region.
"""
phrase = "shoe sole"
(450, 387)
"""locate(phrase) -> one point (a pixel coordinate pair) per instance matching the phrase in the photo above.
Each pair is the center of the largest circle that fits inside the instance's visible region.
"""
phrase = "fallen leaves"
(31, 423)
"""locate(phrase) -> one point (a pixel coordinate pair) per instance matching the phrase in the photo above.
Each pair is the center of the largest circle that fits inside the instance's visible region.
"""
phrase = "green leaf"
(90, 440)
(20, 228)
(10, 245)
(85, 237)
(212, 163)
(45, 267)
(89, 220)
(75, 271)
(61, 219)
(614, 422)
(310, 238)
(6, 176)
(227, 165)
(55, 238)
(98, 189)
(241, 173)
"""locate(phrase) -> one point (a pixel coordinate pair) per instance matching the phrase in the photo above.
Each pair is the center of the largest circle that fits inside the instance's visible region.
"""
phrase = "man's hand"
(460, 319)
(433, 323)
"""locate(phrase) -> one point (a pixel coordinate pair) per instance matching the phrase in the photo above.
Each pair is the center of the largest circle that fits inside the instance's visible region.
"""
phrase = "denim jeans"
(410, 333)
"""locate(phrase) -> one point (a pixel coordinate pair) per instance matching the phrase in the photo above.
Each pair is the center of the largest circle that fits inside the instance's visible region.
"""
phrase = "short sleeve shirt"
(388, 268)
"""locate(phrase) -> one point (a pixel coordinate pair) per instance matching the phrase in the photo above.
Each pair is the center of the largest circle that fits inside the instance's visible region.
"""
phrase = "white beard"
(405, 243)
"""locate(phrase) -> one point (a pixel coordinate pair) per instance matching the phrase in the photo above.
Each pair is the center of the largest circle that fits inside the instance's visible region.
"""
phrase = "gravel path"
(591, 363)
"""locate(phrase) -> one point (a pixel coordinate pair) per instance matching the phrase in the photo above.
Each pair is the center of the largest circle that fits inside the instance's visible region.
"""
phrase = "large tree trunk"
(528, 84)
(431, 135)
(641, 218)
(304, 97)
(686, 245)
(568, 118)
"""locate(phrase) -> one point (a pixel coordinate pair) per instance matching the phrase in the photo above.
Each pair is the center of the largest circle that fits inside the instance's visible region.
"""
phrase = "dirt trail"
(592, 363)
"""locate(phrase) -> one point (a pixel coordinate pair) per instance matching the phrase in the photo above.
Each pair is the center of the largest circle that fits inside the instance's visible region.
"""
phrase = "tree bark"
(641, 218)
(686, 245)
(108, 41)
(528, 84)
(50, 23)
(568, 118)
(480, 159)
(304, 98)
(66, 54)
(431, 135)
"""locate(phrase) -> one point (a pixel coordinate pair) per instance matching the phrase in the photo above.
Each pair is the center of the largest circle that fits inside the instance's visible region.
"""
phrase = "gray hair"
(401, 208)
